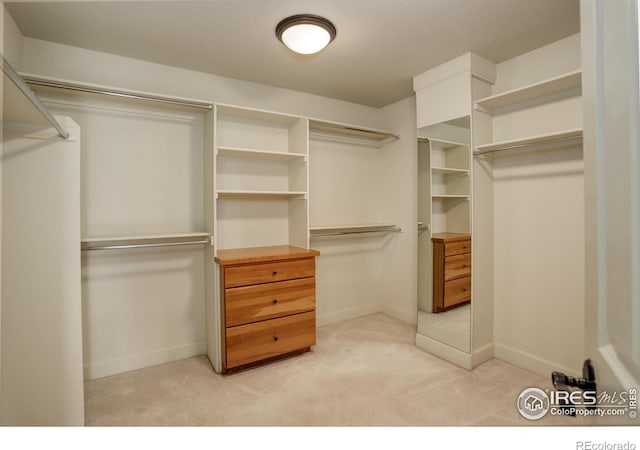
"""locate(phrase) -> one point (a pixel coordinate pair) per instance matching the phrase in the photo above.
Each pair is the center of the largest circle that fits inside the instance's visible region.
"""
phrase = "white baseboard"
(530, 362)
(153, 358)
(400, 314)
(483, 354)
(348, 314)
(453, 355)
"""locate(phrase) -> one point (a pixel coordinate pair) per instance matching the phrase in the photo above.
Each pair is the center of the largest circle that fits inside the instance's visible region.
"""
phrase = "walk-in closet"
(178, 197)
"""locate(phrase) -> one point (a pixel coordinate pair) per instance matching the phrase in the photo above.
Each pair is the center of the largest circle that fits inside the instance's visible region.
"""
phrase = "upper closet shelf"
(571, 80)
(446, 144)
(257, 115)
(336, 131)
(260, 154)
(561, 139)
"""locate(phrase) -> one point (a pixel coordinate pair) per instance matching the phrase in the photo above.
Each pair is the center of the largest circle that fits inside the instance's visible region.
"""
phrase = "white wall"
(349, 185)
(345, 189)
(538, 203)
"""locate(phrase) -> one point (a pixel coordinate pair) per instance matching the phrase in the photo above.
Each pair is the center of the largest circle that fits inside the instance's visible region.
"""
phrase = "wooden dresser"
(268, 302)
(451, 270)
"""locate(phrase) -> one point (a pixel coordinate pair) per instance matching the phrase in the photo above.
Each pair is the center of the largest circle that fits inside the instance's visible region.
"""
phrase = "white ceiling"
(380, 45)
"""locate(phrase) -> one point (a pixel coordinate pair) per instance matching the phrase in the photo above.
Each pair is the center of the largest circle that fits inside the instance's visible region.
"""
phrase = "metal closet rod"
(342, 233)
(131, 243)
(117, 93)
(28, 93)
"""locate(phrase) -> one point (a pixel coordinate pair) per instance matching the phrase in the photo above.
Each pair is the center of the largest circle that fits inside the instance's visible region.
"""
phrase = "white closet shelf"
(260, 154)
(446, 144)
(539, 142)
(549, 86)
(259, 195)
(449, 171)
(350, 133)
(255, 114)
(155, 240)
(445, 196)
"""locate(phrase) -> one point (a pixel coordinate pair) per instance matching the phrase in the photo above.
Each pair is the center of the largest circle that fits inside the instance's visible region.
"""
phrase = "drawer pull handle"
(274, 272)
(275, 338)
(464, 289)
(464, 266)
(274, 301)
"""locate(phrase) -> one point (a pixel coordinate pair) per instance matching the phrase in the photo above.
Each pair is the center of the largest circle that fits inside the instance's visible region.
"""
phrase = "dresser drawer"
(267, 272)
(457, 248)
(269, 338)
(457, 291)
(457, 266)
(249, 304)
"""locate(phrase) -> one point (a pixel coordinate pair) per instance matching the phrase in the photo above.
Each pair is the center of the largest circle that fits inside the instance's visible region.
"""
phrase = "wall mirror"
(444, 227)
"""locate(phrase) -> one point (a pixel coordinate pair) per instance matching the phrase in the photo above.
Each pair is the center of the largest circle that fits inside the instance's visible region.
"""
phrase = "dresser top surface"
(262, 254)
(450, 237)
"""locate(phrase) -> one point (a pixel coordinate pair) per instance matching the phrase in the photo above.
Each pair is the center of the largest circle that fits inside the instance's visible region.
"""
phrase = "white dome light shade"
(305, 34)
(305, 38)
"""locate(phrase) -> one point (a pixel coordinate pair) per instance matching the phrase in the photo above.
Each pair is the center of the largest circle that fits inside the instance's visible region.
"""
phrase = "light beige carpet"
(363, 372)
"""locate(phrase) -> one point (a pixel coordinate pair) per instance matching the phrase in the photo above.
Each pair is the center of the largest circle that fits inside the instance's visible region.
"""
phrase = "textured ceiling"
(380, 46)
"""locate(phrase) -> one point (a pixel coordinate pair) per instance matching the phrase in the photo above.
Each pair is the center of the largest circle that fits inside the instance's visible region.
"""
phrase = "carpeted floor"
(363, 372)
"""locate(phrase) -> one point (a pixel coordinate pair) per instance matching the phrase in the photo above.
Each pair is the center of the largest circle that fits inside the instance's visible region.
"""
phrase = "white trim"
(531, 362)
(453, 355)
(410, 317)
(141, 360)
(347, 314)
(483, 354)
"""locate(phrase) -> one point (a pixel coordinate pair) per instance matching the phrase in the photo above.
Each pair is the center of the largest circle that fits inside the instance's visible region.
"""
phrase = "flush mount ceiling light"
(305, 33)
